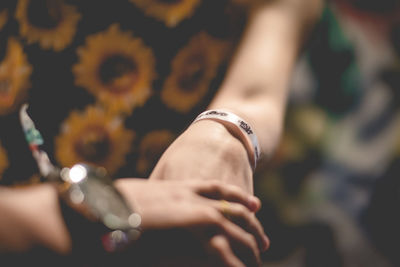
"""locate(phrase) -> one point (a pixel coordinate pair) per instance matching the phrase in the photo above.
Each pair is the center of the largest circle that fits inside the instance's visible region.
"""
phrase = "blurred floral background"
(331, 193)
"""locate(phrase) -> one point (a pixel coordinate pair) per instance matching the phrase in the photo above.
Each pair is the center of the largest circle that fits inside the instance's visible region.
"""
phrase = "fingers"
(219, 190)
(219, 247)
(238, 214)
(244, 244)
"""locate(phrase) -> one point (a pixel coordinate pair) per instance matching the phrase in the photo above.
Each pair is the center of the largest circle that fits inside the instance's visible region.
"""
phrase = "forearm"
(31, 216)
(256, 85)
(255, 88)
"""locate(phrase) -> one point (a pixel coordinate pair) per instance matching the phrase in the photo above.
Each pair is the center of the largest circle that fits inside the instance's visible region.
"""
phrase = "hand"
(186, 219)
(206, 151)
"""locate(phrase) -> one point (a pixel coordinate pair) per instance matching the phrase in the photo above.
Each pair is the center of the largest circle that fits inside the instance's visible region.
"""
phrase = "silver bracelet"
(245, 134)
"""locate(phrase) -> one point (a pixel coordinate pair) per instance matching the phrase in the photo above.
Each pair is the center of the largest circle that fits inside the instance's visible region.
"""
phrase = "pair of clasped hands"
(197, 222)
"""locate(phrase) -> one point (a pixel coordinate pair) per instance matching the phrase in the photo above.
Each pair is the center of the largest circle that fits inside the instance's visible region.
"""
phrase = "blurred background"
(331, 193)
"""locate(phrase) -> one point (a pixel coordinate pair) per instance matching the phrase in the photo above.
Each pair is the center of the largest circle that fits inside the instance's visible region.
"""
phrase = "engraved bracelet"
(234, 123)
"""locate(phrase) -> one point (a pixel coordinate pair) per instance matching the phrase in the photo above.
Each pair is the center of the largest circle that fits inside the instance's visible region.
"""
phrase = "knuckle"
(243, 212)
(212, 216)
(219, 243)
(195, 183)
(215, 186)
(254, 221)
(235, 189)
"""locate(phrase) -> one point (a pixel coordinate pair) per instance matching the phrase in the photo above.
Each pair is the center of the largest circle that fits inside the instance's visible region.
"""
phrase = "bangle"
(245, 134)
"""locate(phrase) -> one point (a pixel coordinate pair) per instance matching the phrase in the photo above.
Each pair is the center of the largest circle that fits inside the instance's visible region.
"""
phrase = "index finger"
(223, 191)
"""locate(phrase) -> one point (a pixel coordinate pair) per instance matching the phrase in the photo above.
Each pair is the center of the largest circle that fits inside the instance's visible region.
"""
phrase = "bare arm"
(256, 85)
(31, 216)
(255, 88)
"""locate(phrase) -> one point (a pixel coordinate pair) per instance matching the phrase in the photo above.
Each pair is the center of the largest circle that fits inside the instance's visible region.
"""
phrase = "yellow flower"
(3, 161)
(51, 23)
(14, 77)
(150, 149)
(193, 68)
(117, 68)
(3, 18)
(94, 137)
(171, 12)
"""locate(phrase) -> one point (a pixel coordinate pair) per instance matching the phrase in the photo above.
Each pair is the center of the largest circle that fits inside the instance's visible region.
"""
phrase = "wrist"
(206, 151)
(217, 138)
(238, 128)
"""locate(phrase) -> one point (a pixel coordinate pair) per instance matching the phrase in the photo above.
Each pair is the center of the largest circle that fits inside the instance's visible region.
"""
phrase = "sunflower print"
(193, 69)
(117, 68)
(14, 77)
(150, 149)
(94, 137)
(3, 18)
(171, 12)
(51, 23)
(3, 161)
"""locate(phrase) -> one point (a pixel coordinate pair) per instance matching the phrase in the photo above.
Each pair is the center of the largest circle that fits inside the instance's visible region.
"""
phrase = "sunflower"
(14, 77)
(52, 23)
(150, 149)
(95, 137)
(3, 161)
(3, 18)
(171, 12)
(193, 68)
(117, 68)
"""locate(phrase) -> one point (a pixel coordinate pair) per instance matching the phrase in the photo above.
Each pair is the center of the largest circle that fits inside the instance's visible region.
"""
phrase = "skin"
(207, 150)
(182, 178)
(195, 207)
(192, 206)
(256, 89)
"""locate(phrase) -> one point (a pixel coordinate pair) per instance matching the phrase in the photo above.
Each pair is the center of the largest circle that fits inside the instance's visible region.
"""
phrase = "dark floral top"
(110, 83)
